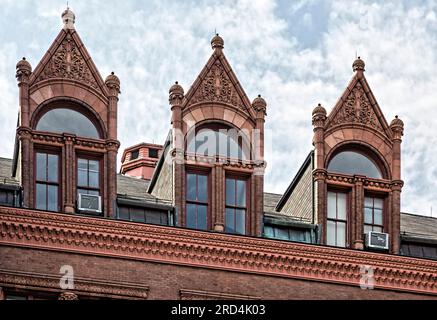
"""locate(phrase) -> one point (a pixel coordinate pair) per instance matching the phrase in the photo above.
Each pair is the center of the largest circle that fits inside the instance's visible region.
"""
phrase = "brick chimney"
(140, 160)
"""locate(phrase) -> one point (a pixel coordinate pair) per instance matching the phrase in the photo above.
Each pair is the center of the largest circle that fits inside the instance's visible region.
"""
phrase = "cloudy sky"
(295, 53)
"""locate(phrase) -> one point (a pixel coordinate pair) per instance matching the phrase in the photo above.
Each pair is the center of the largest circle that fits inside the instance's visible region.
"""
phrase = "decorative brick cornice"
(82, 286)
(104, 237)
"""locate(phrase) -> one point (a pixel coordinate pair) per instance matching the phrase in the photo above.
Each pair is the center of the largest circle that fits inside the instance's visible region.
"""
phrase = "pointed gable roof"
(357, 105)
(218, 83)
(67, 58)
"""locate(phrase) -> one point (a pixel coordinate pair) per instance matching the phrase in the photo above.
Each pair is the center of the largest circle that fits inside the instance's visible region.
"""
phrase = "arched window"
(218, 139)
(352, 162)
(65, 120)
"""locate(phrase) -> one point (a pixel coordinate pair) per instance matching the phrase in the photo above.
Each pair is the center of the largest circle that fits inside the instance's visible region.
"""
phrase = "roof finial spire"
(217, 42)
(68, 18)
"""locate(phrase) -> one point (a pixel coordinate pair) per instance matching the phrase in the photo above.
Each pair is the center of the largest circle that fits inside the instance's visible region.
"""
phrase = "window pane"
(82, 164)
(341, 234)
(367, 228)
(282, 234)
(93, 165)
(66, 120)
(341, 206)
(41, 196)
(201, 217)
(191, 186)
(229, 220)
(241, 193)
(52, 168)
(330, 233)
(153, 217)
(332, 206)
(123, 213)
(52, 204)
(368, 202)
(377, 216)
(202, 188)
(368, 215)
(137, 215)
(230, 192)
(377, 229)
(94, 179)
(191, 215)
(351, 163)
(240, 222)
(378, 203)
(268, 232)
(82, 178)
(41, 168)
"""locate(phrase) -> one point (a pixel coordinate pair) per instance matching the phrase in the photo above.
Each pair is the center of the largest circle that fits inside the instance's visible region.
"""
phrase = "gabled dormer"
(357, 175)
(67, 132)
(217, 151)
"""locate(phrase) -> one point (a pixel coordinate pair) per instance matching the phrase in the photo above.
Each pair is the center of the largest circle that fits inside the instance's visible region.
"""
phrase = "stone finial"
(23, 70)
(358, 65)
(176, 94)
(259, 104)
(217, 42)
(397, 127)
(319, 116)
(396, 122)
(113, 84)
(319, 110)
(68, 18)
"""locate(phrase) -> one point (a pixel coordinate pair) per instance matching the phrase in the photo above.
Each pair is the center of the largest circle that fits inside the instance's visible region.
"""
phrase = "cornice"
(88, 287)
(111, 238)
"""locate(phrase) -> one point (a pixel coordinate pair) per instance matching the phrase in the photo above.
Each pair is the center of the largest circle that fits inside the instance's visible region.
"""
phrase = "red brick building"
(190, 219)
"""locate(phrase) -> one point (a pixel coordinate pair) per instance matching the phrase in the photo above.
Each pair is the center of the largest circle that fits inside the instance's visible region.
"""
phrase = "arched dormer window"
(66, 120)
(84, 164)
(353, 162)
(218, 140)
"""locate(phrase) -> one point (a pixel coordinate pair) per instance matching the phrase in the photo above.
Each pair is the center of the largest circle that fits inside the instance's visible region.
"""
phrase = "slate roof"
(135, 188)
(6, 172)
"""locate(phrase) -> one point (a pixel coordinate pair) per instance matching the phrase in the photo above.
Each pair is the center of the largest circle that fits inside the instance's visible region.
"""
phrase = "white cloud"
(151, 44)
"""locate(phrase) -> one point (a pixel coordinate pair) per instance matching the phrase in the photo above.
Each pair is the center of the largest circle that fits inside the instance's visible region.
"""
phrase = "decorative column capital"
(112, 145)
(396, 185)
(112, 82)
(319, 174)
(24, 133)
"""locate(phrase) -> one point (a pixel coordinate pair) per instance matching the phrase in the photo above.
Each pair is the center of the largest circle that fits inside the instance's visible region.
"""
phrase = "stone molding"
(111, 238)
(82, 286)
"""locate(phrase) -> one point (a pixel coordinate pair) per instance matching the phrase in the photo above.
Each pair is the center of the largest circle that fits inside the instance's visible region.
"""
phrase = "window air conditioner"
(89, 203)
(377, 240)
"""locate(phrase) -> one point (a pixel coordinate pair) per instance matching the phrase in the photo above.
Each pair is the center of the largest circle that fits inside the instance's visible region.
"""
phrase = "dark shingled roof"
(6, 172)
(136, 188)
(419, 227)
(270, 201)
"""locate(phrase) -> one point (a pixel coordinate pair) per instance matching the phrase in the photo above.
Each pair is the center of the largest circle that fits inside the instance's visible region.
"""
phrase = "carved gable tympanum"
(357, 109)
(68, 62)
(218, 87)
